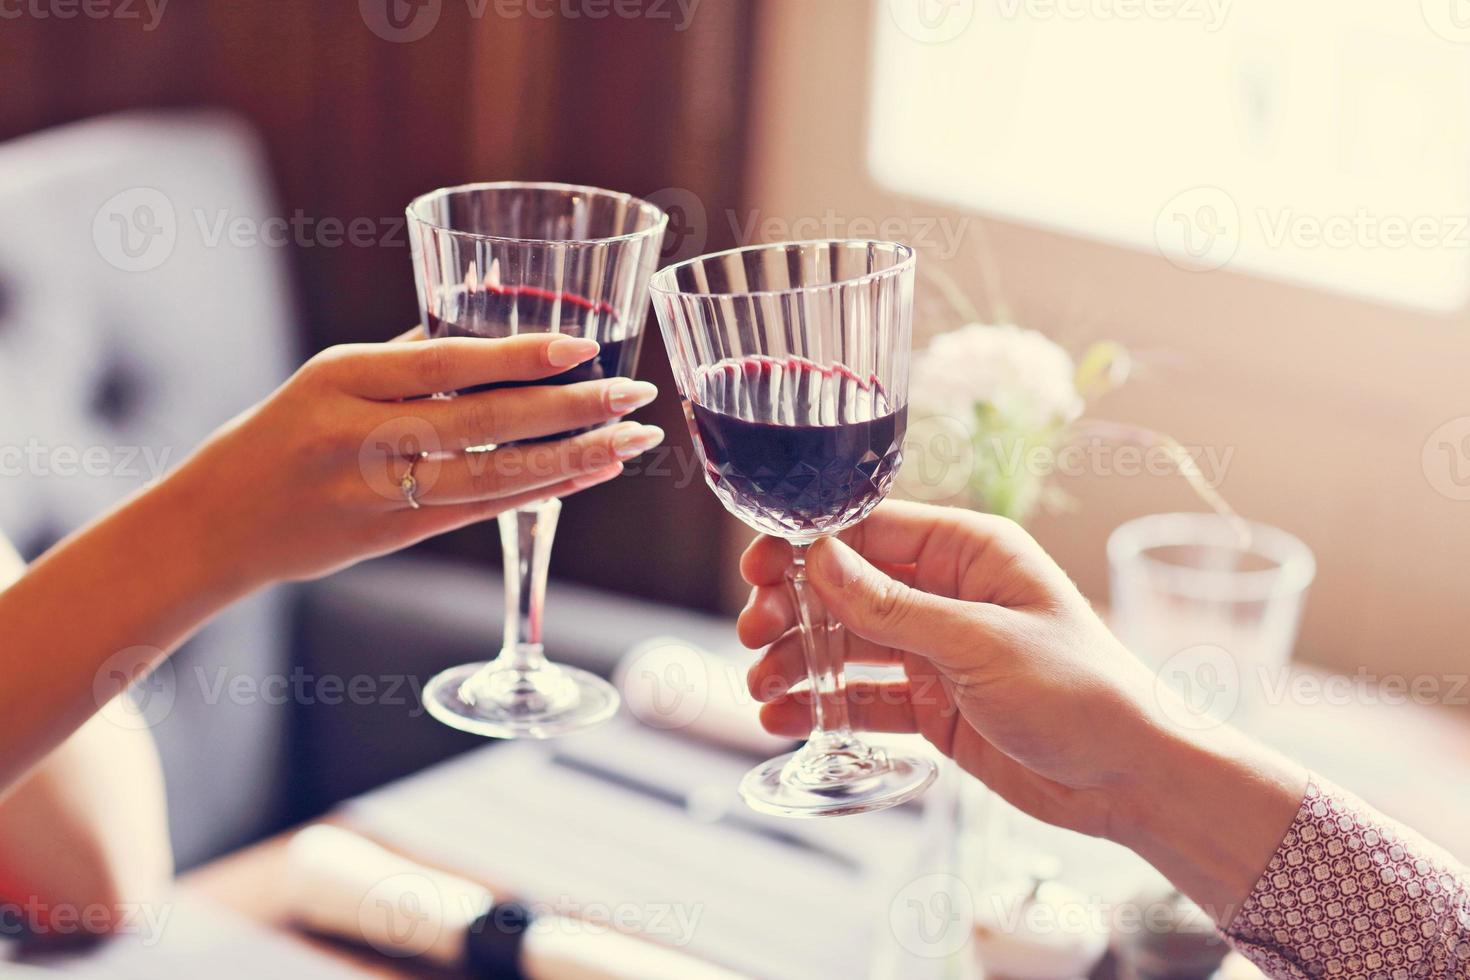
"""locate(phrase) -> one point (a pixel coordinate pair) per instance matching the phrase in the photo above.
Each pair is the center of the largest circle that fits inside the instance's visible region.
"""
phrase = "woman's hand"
(309, 480)
(305, 482)
(1010, 672)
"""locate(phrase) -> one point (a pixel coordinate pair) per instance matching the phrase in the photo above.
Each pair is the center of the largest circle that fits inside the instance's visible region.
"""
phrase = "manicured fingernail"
(637, 439)
(624, 396)
(836, 562)
(569, 351)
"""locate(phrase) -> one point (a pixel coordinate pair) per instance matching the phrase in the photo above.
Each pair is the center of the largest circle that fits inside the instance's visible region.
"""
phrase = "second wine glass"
(792, 360)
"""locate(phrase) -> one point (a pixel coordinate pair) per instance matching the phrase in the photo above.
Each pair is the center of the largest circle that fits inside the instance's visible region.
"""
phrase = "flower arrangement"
(993, 407)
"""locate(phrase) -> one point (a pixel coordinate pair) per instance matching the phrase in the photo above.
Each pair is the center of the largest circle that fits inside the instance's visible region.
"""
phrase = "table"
(1409, 760)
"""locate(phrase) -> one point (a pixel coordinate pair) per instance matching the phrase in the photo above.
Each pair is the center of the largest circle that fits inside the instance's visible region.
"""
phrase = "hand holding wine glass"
(308, 481)
(1007, 669)
(792, 360)
(311, 479)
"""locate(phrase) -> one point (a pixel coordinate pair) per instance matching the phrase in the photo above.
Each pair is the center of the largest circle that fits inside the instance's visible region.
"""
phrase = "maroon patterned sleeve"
(1350, 893)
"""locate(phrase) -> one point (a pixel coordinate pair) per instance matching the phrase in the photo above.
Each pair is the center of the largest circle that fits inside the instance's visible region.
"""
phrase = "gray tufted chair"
(126, 334)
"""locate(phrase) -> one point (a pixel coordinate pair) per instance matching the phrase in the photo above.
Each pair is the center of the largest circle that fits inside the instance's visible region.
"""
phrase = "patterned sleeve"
(1352, 894)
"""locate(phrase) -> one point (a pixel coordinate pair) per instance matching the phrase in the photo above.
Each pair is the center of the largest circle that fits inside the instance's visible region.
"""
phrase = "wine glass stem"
(822, 641)
(526, 535)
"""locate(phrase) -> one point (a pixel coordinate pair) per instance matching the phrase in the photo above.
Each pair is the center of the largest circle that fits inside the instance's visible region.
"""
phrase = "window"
(1321, 141)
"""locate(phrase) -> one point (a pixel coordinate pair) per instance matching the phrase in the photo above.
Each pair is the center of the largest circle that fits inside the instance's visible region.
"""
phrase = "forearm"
(101, 608)
(1208, 809)
(1297, 873)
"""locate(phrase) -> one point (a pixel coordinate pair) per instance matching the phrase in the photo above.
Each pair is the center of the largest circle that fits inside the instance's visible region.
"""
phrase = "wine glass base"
(768, 789)
(594, 701)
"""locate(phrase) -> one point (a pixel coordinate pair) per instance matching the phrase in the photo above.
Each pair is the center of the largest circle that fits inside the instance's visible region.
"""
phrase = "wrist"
(1207, 809)
(190, 511)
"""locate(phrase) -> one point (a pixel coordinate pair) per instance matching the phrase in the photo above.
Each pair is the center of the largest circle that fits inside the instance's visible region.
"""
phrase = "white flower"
(1023, 375)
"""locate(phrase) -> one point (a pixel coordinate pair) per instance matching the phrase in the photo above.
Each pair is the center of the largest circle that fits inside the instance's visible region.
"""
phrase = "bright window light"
(1321, 141)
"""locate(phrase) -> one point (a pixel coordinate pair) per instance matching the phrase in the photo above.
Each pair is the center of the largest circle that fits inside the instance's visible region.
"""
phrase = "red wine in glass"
(503, 311)
(795, 444)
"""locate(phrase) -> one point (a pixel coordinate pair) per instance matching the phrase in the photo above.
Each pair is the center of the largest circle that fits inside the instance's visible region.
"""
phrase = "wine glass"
(792, 360)
(497, 259)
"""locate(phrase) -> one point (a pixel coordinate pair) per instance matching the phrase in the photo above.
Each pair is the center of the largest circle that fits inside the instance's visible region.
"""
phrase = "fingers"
(889, 612)
(901, 532)
(511, 414)
(429, 521)
(395, 371)
(769, 612)
(516, 470)
(873, 706)
(413, 333)
(783, 665)
(765, 561)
